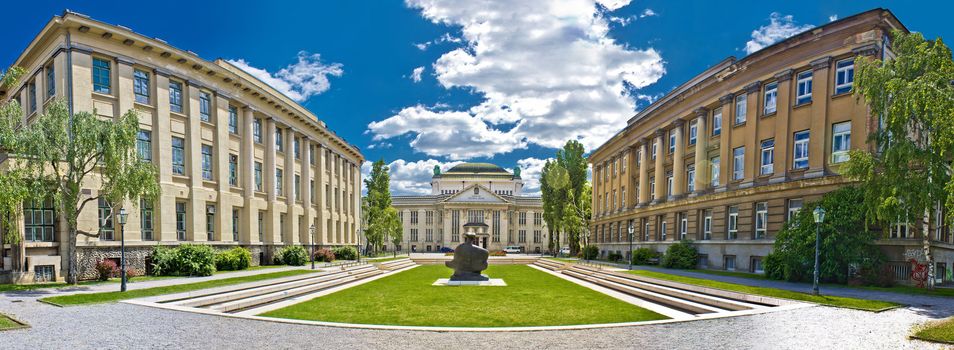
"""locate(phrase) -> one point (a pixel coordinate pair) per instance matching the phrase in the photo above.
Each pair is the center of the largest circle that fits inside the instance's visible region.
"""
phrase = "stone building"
(240, 164)
(473, 193)
(726, 158)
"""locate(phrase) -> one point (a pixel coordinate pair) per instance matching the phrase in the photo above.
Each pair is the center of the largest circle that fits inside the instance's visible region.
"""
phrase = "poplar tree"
(380, 219)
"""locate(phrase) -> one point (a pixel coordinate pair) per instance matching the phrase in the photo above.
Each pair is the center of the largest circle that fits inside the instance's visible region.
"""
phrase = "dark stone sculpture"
(469, 261)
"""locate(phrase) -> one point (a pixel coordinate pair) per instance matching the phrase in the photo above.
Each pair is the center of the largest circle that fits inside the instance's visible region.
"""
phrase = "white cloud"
(547, 72)
(416, 74)
(530, 171)
(779, 27)
(832, 18)
(446, 38)
(408, 178)
(298, 81)
(648, 13)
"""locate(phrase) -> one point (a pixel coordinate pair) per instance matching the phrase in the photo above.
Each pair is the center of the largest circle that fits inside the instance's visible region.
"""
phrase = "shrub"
(498, 253)
(614, 256)
(346, 253)
(293, 255)
(106, 269)
(681, 255)
(645, 256)
(324, 255)
(237, 258)
(590, 252)
(184, 260)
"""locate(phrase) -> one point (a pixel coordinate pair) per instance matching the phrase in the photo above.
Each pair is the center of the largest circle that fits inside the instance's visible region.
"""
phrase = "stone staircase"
(493, 260)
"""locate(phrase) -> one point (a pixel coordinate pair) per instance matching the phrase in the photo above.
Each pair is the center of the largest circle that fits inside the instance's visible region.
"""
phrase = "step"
(710, 300)
(220, 298)
(665, 300)
(238, 305)
(755, 300)
(172, 298)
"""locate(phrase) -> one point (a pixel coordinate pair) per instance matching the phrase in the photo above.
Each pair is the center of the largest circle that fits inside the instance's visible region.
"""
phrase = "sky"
(419, 83)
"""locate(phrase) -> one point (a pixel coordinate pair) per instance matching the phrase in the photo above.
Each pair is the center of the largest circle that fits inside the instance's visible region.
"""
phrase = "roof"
(483, 170)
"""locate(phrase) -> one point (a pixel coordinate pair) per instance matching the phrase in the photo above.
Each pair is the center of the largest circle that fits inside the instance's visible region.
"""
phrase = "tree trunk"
(926, 240)
(71, 272)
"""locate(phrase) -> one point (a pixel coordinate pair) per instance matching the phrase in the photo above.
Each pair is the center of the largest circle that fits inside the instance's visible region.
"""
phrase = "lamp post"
(819, 215)
(359, 245)
(312, 246)
(631, 230)
(122, 249)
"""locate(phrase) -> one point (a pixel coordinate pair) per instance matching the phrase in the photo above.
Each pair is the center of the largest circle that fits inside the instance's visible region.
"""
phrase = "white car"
(513, 249)
(565, 251)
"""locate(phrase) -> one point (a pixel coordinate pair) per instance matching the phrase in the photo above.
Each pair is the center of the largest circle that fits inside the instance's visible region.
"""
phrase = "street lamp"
(122, 249)
(312, 246)
(631, 230)
(819, 215)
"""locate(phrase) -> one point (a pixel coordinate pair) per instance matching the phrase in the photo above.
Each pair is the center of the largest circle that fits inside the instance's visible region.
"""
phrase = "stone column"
(291, 215)
(660, 177)
(124, 93)
(223, 215)
(271, 215)
(643, 171)
(193, 154)
(782, 133)
(701, 160)
(725, 141)
(753, 113)
(164, 208)
(631, 178)
(819, 126)
(321, 179)
(307, 190)
(679, 161)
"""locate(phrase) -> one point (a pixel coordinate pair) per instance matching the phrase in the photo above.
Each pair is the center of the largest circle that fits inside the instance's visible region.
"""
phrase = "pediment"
(475, 194)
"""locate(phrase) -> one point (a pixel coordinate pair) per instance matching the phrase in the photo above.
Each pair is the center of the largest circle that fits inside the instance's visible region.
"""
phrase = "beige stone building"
(240, 164)
(726, 158)
(473, 193)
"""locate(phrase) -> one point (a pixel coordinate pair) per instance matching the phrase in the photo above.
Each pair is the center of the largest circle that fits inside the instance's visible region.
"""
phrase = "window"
(296, 143)
(683, 226)
(206, 162)
(413, 235)
(768, 157)
(258, 176)
(840, 142)
(756, 265)
(521, 236)
(522, 218)
(729, 262)
(672, 141)
(537, 236)
(233, 170)
(844, 75)
(233, 120)
(144, 145)
(900, 230)
(732, 228)
(257, 130)
(210, 222)
(32, 97)
(414, 217)
(278, 182)
(101, 76)
(141, 86)
(298, 188)
(804, 88)
(178, 156)
(455, 225)
(39, 221)
(714, 172)
(794, 206)
(205, 106)
(691, 178)
(717, 122)
(613, 200)
(261, 225)
(622, 201)
(645, 229)
(662, 228)
(105, 216)
(538, 219)
(429, 235)
(693, 132)
(145, 217)
(738, 163)
(235, 225)
(655, 144)
(652, 188)
(740, 105)
(180, 221)
(50, 81)
(175, 96)
(279, 144)
(771, 98)
(800, 153)
(761, 219)
(707, 224)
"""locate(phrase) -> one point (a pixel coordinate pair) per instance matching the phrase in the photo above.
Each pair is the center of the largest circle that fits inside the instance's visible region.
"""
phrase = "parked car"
(447, 250)
(565, 251)
(513, 249)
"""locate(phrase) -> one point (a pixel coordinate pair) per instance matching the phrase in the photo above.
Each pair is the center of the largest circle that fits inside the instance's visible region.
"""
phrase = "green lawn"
(105, 297)
(381, 260)
(531, 298)
(852, 303)
(7, 323)
(942, 332)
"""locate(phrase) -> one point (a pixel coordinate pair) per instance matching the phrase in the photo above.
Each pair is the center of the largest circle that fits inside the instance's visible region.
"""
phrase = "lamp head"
(819, 215)
(122, 216)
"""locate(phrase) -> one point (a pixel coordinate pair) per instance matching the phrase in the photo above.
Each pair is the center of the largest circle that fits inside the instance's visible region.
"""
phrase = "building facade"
(472, 193)
(239, 163)
(726, 158)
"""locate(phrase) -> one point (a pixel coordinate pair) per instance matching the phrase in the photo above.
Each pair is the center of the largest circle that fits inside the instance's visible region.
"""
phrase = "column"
(819, 126)
(196, 210)
(679, 161)
(356, 201)
(249, 231)
(631, 177)
(782, 133)
(660, 179)
(123, 90)
(271, 215)
(291, 215)
(321, 177)
(306, 190)
(164, 208)
(643, 171)
(753, 113)
(223, 214)
(725, 141)
(701, 160)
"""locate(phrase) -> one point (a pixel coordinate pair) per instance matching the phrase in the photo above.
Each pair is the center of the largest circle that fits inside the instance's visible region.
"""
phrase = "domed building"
(473, 193)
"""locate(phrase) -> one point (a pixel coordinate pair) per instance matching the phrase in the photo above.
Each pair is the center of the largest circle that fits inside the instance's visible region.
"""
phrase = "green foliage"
(681, 255)
(614, 256)
(324, 255)
(590, 252)
(566, 196)
(294, 255)
(381, 219)
(645, 256)
(346, 253)
(234, 259)
(845, 240)
(184, 260)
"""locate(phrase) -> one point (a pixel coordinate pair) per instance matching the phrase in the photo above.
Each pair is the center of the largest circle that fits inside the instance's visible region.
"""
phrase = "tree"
(566, 197)
(379, 219)
(57, 156)
(908, 176)
(392, 227)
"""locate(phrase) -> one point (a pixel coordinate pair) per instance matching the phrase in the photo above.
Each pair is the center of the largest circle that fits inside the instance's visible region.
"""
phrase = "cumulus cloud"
(832, 18)
(299, 80)
(779, 27)
(416, 74)
(530, 170)
(547, 72)
(409, 178)
(648, 13)
(445, 38)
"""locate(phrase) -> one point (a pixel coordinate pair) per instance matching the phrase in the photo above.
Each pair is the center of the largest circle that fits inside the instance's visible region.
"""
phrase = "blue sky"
(428, 82)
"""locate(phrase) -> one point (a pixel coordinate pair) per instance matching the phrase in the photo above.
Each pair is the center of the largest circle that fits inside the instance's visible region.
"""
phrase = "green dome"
(483, 168)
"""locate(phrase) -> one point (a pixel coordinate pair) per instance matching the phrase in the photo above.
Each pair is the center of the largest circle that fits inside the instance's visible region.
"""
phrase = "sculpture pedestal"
(493, 282)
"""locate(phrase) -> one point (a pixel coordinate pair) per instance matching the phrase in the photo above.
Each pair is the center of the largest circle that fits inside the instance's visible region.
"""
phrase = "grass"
(381, 260)
(941, 332)
(28, 287)
(531, 298)
(844, 302)
(7, 323)
(106, 297)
